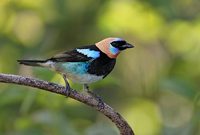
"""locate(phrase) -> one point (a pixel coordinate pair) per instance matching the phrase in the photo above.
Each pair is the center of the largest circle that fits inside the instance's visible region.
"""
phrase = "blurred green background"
(155, 86)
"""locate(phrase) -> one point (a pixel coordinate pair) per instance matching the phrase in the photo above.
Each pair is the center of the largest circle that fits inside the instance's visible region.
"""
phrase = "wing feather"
(73, 56)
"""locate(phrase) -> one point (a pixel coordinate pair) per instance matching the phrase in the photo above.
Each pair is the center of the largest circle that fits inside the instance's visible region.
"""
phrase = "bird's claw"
(67, 90)
(100, 104)
(98, 98)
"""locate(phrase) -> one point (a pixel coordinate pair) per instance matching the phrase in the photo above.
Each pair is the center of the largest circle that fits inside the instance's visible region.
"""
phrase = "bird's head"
(113, 46)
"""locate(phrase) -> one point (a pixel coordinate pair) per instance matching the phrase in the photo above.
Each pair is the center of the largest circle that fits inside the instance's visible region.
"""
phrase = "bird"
(86, 64)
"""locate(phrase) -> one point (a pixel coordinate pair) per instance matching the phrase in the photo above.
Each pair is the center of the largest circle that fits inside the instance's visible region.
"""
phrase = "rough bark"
(87, 99)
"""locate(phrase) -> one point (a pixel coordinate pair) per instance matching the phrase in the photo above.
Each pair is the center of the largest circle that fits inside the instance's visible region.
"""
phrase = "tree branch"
(87, 99)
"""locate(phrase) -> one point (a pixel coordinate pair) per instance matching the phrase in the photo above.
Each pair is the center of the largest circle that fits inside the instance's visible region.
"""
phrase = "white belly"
(84, 78)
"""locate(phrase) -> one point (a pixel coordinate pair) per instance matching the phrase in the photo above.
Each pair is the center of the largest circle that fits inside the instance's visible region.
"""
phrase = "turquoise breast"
(77, 68)
(77, 72)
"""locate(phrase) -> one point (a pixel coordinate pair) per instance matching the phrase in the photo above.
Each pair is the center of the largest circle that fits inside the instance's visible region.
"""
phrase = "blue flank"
(76, 68)
(89, 53)
(113, 50)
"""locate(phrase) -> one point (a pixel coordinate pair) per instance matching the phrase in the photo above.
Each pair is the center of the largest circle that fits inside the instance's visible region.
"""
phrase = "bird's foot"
(67, 90)
(67, 87)
(98, 98)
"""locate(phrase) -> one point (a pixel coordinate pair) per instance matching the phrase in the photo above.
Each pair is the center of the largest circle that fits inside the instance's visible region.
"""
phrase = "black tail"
(32, 62)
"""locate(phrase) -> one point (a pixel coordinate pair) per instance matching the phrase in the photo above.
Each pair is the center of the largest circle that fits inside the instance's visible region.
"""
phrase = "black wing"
(73, 56)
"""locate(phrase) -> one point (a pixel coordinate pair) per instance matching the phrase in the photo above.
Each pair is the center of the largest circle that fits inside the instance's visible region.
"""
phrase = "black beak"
(127, 45)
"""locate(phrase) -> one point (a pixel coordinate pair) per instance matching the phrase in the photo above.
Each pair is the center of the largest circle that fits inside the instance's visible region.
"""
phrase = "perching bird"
(86, 64)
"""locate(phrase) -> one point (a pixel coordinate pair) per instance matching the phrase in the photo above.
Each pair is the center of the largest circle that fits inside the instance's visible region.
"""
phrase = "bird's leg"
(86, 88)
(67, 86)
(100, 101)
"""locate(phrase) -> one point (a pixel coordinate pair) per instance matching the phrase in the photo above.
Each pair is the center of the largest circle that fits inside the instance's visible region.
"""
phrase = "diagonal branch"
(87, 99)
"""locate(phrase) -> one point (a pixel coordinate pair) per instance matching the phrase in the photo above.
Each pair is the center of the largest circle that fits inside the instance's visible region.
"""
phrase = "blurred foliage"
(158, 91)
